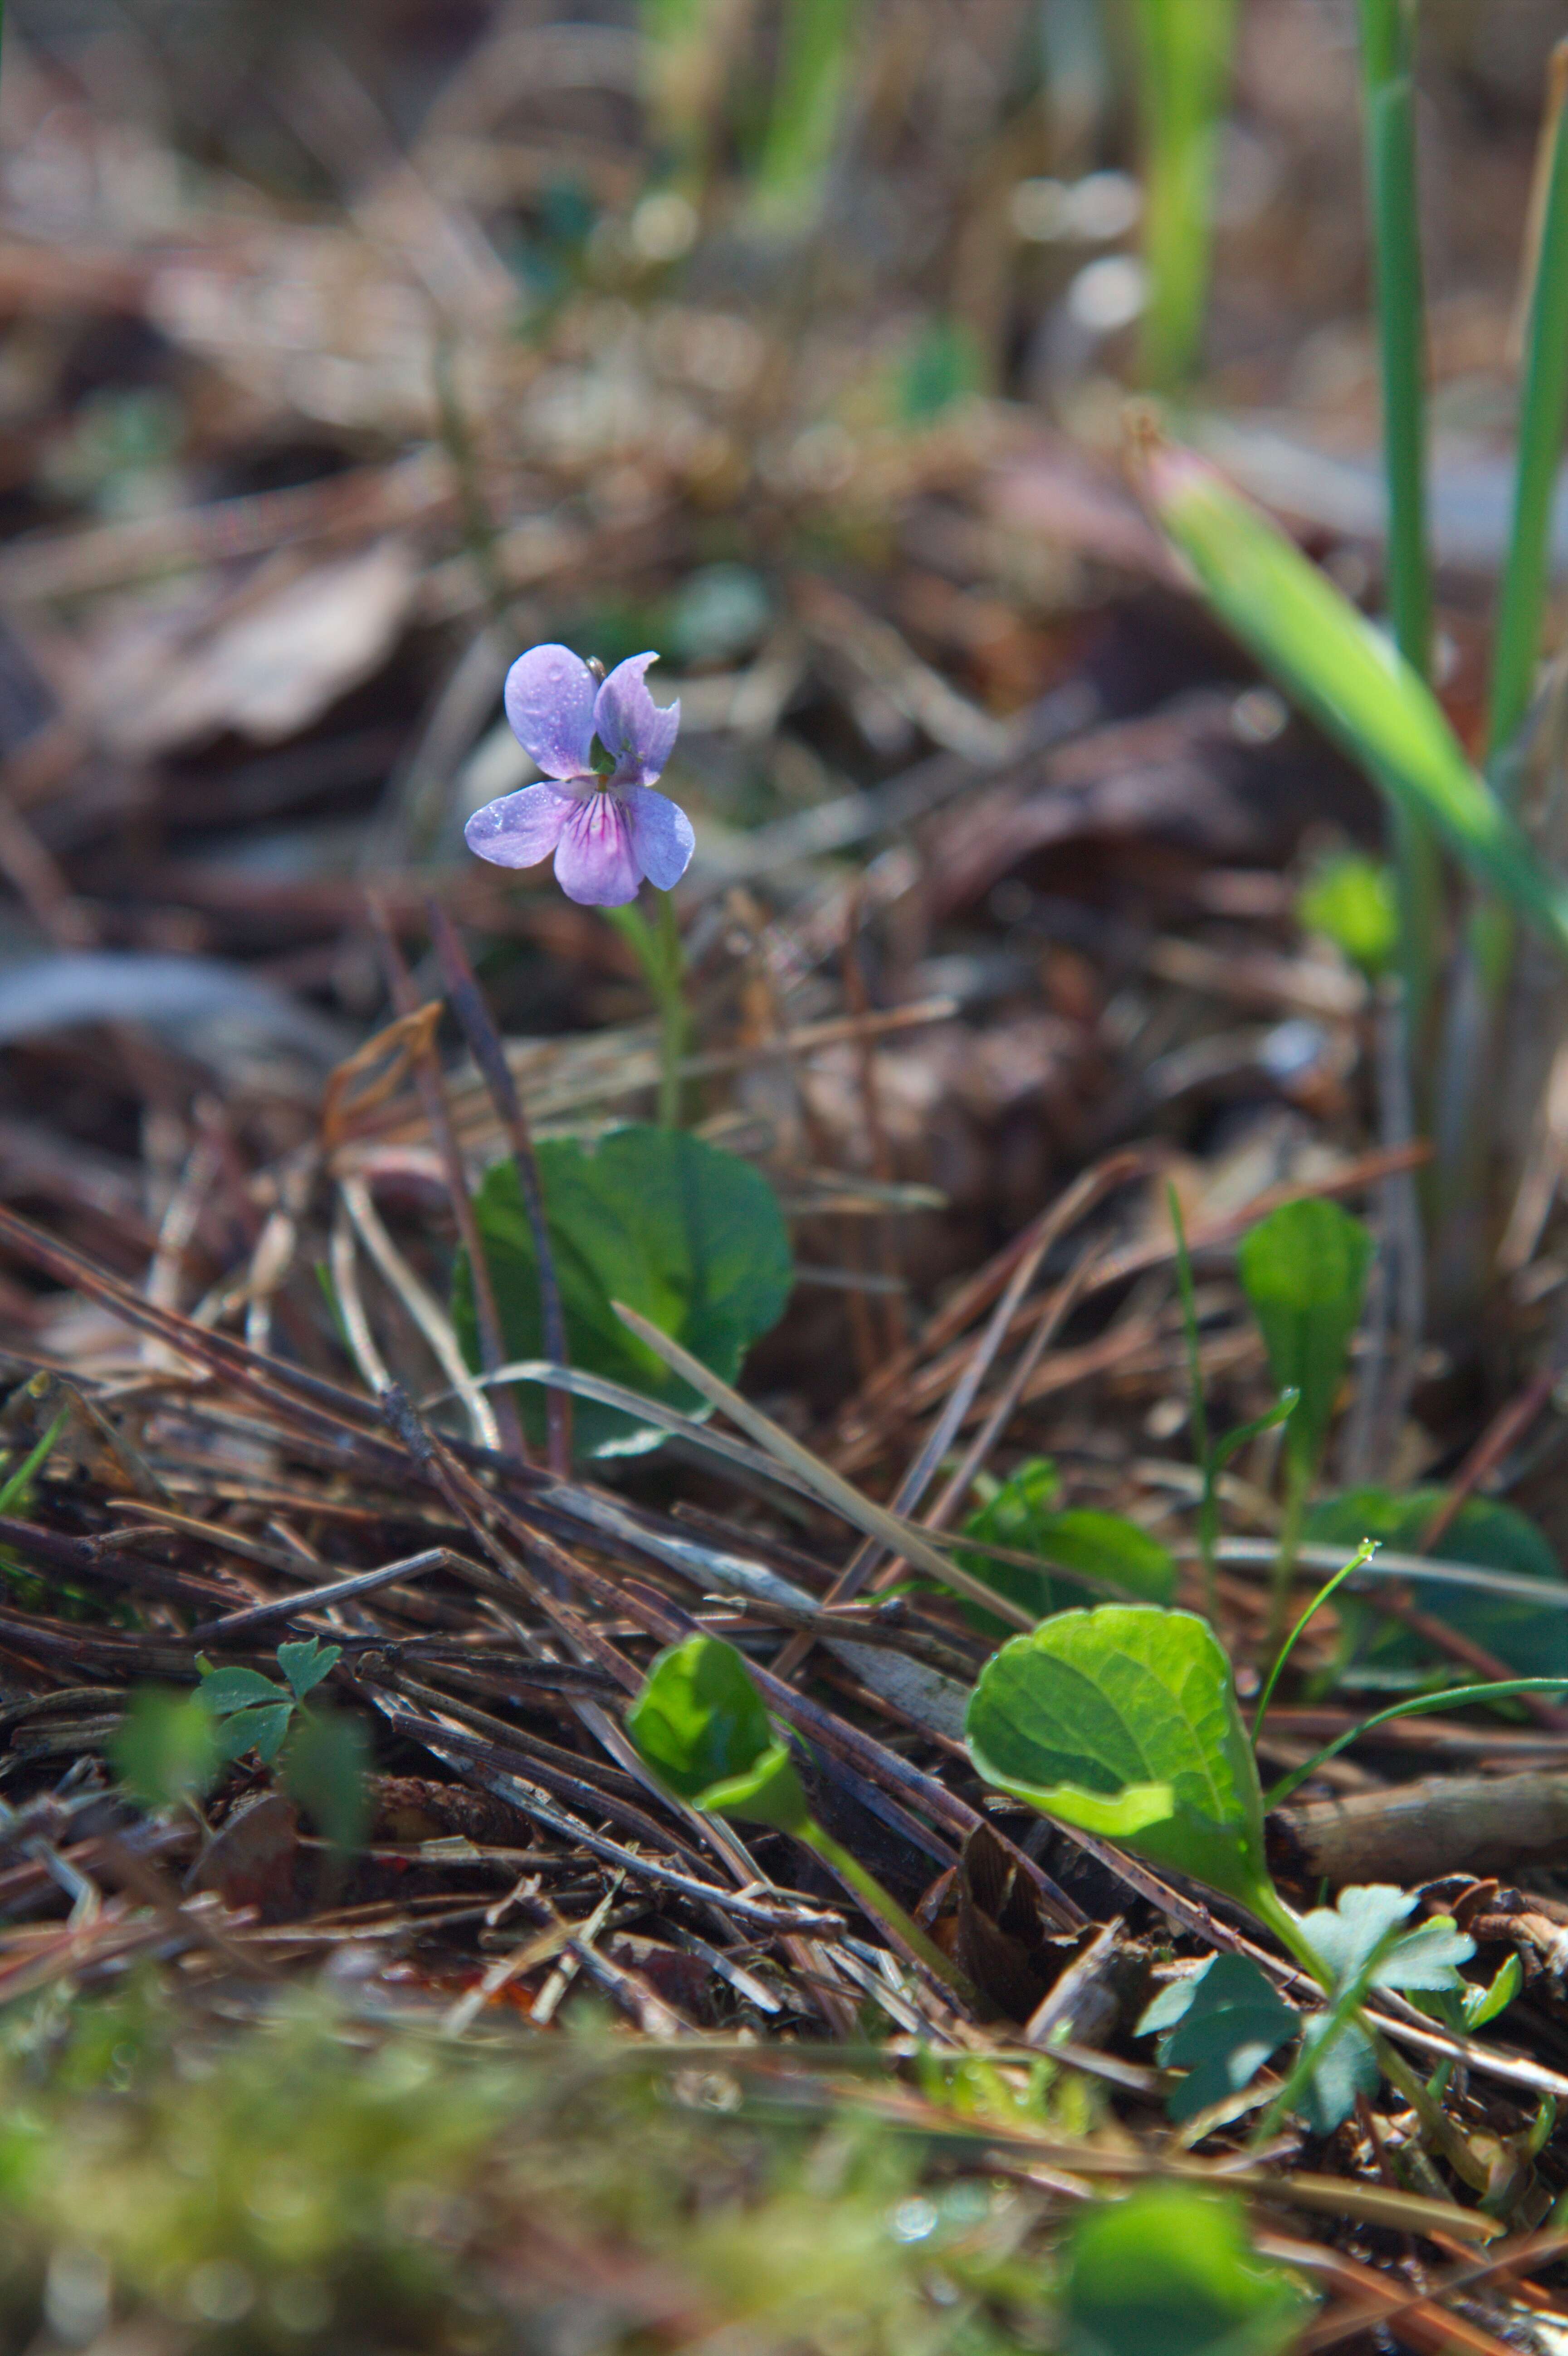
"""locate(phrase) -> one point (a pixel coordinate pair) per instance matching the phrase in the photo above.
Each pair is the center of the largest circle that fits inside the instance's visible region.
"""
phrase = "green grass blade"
(818, 46)
(1388, 43)
(1543, 406)
(1311, 639)
(686, 46)
(1387, 59)
(1417, 1705)
(1185, 50)
(1363, 1553)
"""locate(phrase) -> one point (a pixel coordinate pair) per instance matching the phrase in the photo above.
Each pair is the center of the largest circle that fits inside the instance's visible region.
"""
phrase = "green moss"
(310, 2182)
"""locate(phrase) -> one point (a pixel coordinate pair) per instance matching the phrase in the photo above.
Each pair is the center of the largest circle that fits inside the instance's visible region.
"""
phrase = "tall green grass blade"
(818, 46)
(686, 50)
(1543, 408)
(1388, 45)
(1388, 42)
(1310, 638)
(1467, 1092)
(1184, 71)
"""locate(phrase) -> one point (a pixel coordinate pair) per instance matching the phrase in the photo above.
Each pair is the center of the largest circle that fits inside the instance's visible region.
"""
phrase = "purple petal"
(662, 839)
(594, 862)
(520, 829)
(549, 698)
(630, 725)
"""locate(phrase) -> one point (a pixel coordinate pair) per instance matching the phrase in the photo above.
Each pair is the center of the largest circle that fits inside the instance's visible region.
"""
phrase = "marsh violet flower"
(601, 744)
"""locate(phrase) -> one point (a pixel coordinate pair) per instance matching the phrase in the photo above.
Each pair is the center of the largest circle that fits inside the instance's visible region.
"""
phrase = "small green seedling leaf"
(690, 1236)
(1303, 1269)
(305, 1664)
(1074, 1544)
(324, 1768)
(1351, 900)
(1123, 1722)
(1481, 2005)
(165, 1747)
(1170, 2271)
(1360, 1945)
(1228, 2020)
(702, 1726)
(18, 1484)
(261, 1730)
(225, 1689)
(1233, 1442)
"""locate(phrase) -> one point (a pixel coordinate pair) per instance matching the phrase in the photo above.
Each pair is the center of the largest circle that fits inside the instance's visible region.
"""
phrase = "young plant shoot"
(1303, 1269)
(1123, 1722)
(702, 1726)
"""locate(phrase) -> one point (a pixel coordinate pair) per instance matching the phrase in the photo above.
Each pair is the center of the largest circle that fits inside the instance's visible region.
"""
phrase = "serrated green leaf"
(1306, 633)
(1170, 2271)
(1303, 1269)
(1428, 1958)
(690, 1236)
(1345, 1935)
(304, 1664)
(1172, 2002)
(702, 1726)
(1233, 2018)
(1124, 1722)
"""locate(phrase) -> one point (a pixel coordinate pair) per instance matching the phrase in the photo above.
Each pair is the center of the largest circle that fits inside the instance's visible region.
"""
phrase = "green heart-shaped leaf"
(1533, 1639)
(691, 1237)
(1124, 1722)
(1170, 2271)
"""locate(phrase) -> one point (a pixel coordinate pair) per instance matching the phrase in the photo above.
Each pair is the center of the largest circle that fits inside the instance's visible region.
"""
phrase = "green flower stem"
(1447, 1697)
(1367, 1547)
(886, 1909)
(1297, 1480)
(1450, 2140)
(661, 955)
(1345, 2007)
(670, 993)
